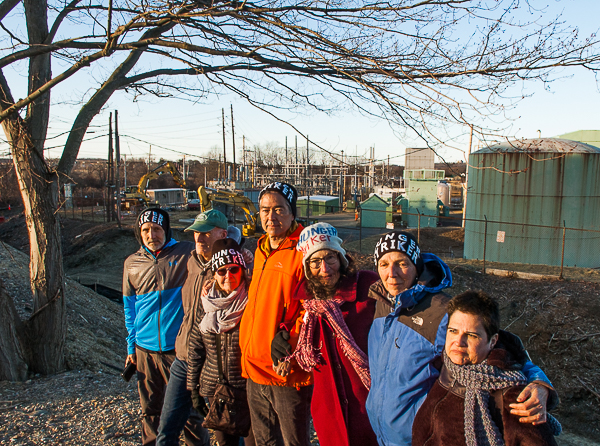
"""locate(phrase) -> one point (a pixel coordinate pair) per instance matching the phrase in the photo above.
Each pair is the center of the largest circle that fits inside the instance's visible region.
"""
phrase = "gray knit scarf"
(223, 312)
(479, 380)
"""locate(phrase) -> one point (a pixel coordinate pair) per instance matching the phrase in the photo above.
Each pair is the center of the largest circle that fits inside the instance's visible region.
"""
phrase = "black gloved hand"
(280, 347)
(199, 403)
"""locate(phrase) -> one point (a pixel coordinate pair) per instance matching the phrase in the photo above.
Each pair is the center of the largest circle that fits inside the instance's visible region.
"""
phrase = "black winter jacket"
(203, 372)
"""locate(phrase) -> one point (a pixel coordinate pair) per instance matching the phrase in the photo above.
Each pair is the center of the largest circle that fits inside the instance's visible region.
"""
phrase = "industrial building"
(317, 205)
(167, 197)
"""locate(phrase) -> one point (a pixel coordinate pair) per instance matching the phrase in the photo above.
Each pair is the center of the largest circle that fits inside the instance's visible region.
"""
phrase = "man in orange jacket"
(279, 393)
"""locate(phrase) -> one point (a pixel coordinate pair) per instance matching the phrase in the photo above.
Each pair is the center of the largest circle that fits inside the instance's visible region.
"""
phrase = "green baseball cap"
(208, 220)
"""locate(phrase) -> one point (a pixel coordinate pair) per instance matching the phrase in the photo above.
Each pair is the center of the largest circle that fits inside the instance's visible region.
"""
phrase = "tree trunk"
(13, 363)
(47, 326)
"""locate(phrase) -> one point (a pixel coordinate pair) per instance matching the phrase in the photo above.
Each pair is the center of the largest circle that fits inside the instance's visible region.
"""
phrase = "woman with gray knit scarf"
(214, 345)
(334, 336)
(469, 402)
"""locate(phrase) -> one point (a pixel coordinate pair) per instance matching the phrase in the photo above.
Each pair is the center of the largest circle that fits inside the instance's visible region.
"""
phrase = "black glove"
(199, 403)
(280, 347)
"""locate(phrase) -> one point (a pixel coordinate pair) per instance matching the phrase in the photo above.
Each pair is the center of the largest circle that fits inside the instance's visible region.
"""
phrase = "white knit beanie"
(317, 237)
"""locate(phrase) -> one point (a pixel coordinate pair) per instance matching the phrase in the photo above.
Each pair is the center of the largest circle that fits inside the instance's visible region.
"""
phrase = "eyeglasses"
(232, 270)
(330, 259)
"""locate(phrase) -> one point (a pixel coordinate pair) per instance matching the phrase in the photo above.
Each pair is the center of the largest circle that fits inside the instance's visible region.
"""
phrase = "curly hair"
(322, 292)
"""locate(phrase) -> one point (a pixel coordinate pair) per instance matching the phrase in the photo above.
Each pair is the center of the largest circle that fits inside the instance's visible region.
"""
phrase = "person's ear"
(493, 340)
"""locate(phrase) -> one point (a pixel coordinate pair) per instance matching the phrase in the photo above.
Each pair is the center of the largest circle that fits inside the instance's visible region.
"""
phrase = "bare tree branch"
(7, 6)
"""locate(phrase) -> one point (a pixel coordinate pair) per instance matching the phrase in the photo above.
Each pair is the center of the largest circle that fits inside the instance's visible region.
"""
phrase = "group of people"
(382, 357)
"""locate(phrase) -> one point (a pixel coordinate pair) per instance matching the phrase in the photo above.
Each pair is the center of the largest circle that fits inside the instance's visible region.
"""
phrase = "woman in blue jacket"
(407, 338)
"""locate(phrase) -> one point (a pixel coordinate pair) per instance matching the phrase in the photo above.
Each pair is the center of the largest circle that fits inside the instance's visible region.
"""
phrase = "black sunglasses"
(232, 269)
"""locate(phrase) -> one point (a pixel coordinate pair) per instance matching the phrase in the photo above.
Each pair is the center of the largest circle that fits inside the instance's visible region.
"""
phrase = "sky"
(169, 128)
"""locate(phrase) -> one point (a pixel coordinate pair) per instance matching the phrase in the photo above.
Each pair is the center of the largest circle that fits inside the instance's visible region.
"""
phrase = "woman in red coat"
(333, 337)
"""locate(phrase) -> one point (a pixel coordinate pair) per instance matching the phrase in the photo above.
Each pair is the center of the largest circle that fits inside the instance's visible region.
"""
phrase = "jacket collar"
(347, 289)
(170, 243)
(202, 264)
(289, 242)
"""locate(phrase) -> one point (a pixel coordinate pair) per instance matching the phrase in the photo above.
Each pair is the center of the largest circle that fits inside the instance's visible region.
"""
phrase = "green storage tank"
(544, 182)
(374, 211)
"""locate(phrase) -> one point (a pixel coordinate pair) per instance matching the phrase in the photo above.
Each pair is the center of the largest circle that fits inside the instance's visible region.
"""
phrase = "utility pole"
(466, 183)
(388, 167)
(184, 175)
(342, 180)
(254, 168)
(371, 170)
(224, 153)
(118, 159)
(356, 176)
(233, 139)
(296, 170)
(109, 176)
(124, 170)
(307, 166)
(245, 175)
(285, 171)
(149, 154)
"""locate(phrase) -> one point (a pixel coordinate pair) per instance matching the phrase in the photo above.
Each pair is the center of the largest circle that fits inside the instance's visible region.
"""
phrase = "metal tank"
(443, 193)
(546, 183)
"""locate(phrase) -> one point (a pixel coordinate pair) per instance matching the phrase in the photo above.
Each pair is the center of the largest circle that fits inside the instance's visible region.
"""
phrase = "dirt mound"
(96, 331)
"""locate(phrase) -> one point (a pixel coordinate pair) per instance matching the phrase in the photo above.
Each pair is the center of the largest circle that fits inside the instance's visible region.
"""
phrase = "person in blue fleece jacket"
(407, 338)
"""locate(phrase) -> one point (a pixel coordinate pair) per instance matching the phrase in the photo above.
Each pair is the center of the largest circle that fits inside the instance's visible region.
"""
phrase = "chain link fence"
(499, 247)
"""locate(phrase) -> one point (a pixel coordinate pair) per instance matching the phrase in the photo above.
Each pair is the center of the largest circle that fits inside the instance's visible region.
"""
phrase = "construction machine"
(208, 196)
(136, 195)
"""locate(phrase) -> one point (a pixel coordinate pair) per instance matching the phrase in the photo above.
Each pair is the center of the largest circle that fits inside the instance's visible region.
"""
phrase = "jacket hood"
(435, 277)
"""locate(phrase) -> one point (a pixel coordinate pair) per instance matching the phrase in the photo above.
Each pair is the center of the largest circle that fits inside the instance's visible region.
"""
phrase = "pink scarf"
(306, 354)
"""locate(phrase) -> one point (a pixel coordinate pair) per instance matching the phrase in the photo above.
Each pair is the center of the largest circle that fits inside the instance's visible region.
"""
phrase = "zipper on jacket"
(273, 251)
(159, 308)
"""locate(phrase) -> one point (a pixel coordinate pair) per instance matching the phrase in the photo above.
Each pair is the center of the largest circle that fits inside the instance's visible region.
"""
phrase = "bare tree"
(409, 61)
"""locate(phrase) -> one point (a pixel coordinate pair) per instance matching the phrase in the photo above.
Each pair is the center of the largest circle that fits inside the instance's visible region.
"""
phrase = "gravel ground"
(72, 408)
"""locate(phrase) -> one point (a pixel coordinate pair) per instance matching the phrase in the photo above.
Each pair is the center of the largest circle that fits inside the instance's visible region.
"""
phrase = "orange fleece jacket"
(271, 307)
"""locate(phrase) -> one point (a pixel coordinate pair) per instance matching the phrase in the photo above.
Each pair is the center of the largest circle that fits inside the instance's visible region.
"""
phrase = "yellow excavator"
(208, 196)
(136, 195)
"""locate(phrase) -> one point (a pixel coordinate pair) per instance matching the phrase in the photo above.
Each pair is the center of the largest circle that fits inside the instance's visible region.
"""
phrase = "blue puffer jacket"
(152, 296)
(402, 348)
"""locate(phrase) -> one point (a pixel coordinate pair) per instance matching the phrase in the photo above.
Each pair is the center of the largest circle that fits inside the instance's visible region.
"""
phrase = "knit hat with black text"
(288, 192)
(156, 216)
(403, 242)
(226, 251)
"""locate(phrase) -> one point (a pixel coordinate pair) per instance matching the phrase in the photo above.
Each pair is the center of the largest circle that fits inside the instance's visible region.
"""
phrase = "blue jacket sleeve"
(533, 373)
(129, 307)
(129, 299)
